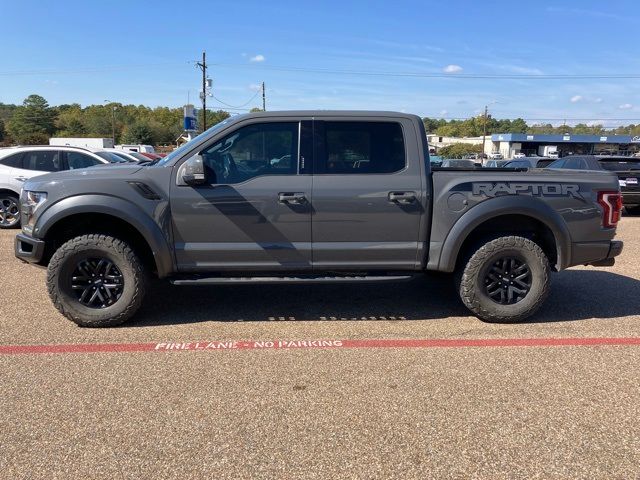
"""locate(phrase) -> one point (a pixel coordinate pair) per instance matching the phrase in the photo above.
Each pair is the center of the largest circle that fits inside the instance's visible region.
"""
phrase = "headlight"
(30, 202)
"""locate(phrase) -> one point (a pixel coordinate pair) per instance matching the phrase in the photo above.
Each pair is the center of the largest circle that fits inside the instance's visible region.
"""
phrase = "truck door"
(254, 213)
(367, 194)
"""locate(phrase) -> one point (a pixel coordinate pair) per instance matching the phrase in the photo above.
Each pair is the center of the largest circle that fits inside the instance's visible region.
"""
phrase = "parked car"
(136, 148)
(138, 157)
(495, 163)
(126, 156)
(19, 164)
(151, 156)
(519, 155)
(496, 156)
(626, 168)
(528, 162)
(459, 163)
(350, 199)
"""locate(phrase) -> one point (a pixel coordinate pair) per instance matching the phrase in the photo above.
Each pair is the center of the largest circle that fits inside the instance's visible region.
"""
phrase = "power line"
(471, 76)
(91, 69)
(237, 106)
(438, 75)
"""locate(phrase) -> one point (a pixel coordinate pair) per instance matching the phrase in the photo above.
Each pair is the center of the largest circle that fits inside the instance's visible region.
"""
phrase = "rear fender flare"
(506, 205)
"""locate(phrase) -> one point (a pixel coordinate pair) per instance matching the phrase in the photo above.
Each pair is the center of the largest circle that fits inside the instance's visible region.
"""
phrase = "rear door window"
(42, 160)
(360, 147)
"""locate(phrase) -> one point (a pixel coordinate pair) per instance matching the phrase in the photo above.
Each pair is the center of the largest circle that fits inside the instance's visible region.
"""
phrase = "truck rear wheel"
(505, 280)
(96, 281)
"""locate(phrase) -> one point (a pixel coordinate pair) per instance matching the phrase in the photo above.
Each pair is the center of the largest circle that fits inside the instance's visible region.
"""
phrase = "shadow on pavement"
(575, 295)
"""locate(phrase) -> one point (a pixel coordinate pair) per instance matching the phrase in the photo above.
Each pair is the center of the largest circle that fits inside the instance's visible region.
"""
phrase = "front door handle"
(403, 198)
(292, 198)
(22, 179)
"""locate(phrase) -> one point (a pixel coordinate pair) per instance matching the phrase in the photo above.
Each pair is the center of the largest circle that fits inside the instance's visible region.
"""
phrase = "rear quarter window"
(620, 166)
(14, 160)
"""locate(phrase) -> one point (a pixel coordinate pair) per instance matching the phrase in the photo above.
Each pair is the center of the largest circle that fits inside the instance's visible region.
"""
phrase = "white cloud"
(625, 106)
(443, 113)
(452, 69)
(257, 58)
(576, 98)
(255, 87)
(598, 100)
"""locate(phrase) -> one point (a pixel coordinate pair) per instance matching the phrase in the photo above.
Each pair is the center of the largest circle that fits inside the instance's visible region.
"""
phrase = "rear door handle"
(403, 198)
(292, 198)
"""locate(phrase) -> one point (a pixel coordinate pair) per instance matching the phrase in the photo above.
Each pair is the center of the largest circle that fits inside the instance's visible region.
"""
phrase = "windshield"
(187, 146)
(620, 166)
(111, 157)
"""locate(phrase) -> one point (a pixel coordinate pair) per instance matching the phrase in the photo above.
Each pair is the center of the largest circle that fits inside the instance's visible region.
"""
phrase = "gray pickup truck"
(312, 197)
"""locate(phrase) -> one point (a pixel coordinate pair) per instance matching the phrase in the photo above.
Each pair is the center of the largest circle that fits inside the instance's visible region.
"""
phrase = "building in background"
(508, 144)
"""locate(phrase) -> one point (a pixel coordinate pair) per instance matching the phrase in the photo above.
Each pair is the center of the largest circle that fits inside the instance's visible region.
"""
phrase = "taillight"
(611, 203)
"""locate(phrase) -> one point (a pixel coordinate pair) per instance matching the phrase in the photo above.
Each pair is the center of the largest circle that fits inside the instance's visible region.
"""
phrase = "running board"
(284, 280)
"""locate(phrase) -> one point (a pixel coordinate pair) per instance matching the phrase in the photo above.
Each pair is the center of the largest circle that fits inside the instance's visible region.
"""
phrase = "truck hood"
(97, 172)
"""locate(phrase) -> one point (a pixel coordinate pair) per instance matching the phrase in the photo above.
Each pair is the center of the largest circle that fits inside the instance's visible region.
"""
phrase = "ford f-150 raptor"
(312, 197)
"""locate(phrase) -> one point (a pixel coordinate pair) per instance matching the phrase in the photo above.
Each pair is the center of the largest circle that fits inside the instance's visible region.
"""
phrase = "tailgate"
(629, 181)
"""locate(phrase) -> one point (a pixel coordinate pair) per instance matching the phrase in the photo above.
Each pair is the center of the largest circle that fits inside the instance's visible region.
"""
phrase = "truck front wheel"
(505, 280)
(96, 281)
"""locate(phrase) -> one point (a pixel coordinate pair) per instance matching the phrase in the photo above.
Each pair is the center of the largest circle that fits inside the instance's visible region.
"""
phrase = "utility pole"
(484, 130)
(264, 99)
(203, 95)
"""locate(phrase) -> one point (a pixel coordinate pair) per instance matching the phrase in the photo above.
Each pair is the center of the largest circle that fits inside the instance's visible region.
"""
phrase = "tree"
(138, 133)
(459, 150)
(2, 133)
(33, 122)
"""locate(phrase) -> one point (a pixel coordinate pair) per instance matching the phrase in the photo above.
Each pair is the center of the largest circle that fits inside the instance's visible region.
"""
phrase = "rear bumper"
(28, 248)
(599, 254)
(631, 198)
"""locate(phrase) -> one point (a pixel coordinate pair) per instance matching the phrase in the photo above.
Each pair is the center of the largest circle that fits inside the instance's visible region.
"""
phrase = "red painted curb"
(314, 344)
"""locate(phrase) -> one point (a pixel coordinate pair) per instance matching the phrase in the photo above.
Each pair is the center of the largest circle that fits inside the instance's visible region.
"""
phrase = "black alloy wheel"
(97, 282)
(508, 280)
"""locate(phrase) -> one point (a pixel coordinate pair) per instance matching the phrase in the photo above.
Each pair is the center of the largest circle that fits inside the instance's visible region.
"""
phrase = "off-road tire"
(64, 261)
(471, 277)
(6, 197)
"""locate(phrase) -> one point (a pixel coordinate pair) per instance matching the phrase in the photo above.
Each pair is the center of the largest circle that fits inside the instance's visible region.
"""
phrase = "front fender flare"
(505, 205)
(116, 207)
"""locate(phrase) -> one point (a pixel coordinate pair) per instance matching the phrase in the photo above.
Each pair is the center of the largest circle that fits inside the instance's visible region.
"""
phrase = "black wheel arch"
(107, 215)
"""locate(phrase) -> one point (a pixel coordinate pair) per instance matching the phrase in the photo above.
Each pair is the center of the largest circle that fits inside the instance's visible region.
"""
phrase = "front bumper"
(28, 248)
(598, 254)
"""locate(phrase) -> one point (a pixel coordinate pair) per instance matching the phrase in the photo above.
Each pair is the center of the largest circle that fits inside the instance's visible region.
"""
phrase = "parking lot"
(464, 409)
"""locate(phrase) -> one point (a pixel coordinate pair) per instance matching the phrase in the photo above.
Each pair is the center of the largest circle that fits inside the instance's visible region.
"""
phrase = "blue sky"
(143, 53)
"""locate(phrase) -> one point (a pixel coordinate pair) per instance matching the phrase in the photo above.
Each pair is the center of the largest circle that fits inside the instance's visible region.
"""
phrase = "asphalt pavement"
(133, 402)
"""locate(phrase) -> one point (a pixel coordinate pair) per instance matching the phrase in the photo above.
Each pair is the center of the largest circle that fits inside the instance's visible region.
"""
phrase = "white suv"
(18, 164)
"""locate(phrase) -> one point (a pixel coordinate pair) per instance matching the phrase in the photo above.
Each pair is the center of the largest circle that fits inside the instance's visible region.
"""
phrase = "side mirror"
(192, 171)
